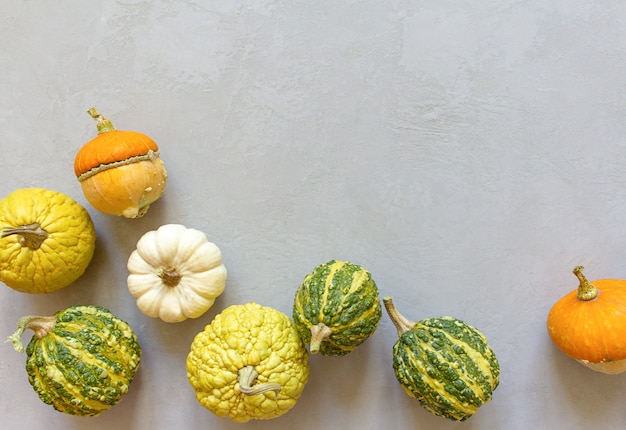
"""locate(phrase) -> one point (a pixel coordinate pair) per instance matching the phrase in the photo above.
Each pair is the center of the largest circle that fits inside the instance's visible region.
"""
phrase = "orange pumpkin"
(120, 172)
(589, 323)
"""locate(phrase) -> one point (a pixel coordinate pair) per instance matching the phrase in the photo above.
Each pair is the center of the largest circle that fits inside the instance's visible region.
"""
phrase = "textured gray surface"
(468, 155)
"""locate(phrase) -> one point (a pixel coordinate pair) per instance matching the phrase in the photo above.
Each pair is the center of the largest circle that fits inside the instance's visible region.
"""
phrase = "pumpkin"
(248, 363)
(47, 240)
(175, 273)
(120, 172)
(446, 364)
(81, 360)
(588, 323)
(336, 308)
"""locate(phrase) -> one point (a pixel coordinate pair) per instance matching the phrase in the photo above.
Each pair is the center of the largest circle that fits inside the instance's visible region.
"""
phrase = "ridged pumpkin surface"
(85, 363)
(342, 297)
(447, 366)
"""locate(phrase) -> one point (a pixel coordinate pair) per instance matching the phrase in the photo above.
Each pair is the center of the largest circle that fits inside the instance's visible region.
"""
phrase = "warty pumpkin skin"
(248, 363)
(120, 172)
(589, 323)
(336, 308)
(80, 361)
(47, 240)
(444, 363)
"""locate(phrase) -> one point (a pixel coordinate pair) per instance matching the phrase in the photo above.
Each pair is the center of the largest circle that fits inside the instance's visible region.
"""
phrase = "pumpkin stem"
(169, 276)
(247, 377)
(319, 333)
(402, 324)
(586, 290)
(40, 325)
(104, 124)
(31, 235)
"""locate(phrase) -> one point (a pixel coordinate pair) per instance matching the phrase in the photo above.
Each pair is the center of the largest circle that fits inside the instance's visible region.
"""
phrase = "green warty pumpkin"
(446, 364)
(336, 308)
(81, 360)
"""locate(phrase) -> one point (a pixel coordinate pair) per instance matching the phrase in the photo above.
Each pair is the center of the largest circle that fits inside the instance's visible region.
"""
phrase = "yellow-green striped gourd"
(336, 308)
(81, 360)
(446, 364)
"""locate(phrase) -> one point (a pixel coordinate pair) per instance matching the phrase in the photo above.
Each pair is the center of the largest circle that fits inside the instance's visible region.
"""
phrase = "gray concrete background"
(469, 154)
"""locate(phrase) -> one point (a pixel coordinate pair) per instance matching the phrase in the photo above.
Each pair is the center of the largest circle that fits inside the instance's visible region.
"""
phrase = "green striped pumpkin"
(81, 360)
(446, 364)
(336, 308)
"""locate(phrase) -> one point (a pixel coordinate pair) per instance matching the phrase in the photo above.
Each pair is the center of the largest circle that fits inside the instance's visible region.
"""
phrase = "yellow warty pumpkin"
(46, 240)
(249, 363)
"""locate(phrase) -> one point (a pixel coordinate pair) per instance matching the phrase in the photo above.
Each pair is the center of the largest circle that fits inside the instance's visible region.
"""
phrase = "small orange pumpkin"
(120, 172)
(589, 323)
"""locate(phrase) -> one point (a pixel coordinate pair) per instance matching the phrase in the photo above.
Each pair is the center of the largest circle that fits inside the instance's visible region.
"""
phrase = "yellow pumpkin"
(120, 172)
(46, 240)
(589, 323)
(249, 363)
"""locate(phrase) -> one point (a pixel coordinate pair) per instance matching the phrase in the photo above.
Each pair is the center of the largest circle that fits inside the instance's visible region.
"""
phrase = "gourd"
(588, 324)
(446, 364)
(336, 308)
(175, 273)
(81, 360)
(120, 172)
(47, 240)
(248, 363)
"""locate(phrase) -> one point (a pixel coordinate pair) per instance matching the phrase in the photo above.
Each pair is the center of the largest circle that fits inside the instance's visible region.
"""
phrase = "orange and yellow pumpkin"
(120, 172)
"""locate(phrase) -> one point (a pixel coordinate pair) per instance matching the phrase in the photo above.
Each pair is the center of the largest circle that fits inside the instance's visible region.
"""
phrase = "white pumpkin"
(175, 273)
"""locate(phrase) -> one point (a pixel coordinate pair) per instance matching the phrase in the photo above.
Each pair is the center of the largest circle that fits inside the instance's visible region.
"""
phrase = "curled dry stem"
(247, 377)
(104, 124)
(40, 325)
(30, 235)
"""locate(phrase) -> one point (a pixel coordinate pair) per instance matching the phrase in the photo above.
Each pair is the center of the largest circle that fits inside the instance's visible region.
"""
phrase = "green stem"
(247, 377)
(319, 333)
(40, 325)
(401, 323)
(31, 235)
(586, 290)
(104, 124)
